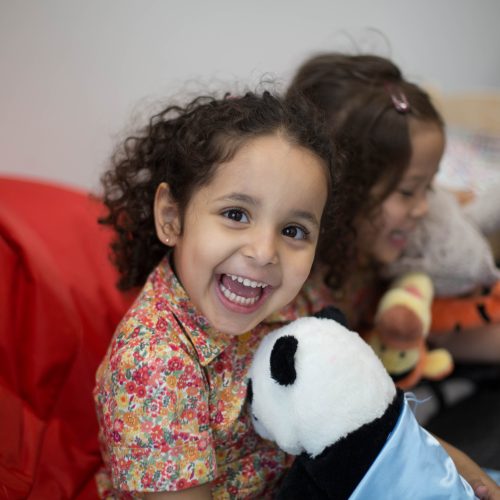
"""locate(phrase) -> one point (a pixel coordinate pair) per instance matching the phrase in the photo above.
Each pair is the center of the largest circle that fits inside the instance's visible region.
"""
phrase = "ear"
(283, 360)
(331, 312)
(167, 216)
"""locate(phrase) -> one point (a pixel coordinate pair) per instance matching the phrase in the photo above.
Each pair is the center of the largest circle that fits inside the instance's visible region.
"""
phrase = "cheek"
(203, 241)
(392, 214)
(369, 229)
(391, 217)
(299, 269)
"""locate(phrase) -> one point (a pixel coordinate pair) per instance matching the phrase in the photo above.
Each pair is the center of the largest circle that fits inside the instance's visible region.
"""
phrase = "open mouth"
(399, 238)
(241, 291)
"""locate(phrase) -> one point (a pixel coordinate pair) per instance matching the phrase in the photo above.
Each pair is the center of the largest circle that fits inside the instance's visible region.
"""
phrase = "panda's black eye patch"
(283, 360)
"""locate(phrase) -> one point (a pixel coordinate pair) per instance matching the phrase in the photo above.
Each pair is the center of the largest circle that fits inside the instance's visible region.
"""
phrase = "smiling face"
(249, 236)
(385, 238)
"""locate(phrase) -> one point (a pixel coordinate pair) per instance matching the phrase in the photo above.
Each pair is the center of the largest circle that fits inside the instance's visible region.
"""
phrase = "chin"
(388, 257)
(233, 332)
(234, 329)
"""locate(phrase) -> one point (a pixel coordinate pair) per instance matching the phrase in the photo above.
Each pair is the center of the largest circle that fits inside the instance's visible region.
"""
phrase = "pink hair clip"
(399, 99)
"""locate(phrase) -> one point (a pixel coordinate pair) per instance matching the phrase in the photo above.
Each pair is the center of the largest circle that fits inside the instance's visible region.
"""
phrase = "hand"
(483, 492)
(484, 487)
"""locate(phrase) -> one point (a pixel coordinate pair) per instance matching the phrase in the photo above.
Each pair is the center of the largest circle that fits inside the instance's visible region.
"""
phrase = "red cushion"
(58, 310)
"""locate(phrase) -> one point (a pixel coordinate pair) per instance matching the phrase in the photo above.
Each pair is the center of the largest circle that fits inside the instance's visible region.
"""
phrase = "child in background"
(395, 137)
(395, 140)
(217, 208)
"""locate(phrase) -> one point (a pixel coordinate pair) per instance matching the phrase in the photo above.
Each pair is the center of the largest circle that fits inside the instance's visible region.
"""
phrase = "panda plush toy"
(320, 392)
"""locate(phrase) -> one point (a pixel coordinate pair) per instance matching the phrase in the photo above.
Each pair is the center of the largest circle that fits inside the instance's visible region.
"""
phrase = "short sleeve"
(152, 401)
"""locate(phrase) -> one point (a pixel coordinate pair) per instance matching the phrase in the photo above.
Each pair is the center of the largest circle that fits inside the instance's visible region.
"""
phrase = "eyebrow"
(239, 197)
(414, 178)
(308, 216)
(245, 198)
(412, 182)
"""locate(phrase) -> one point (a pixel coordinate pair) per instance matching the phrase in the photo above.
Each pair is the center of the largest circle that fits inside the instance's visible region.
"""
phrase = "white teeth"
(247, 282)
(236, 298)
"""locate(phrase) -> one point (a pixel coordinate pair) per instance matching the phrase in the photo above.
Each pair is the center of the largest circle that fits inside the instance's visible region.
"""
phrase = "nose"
(420, 207)
(262, 247)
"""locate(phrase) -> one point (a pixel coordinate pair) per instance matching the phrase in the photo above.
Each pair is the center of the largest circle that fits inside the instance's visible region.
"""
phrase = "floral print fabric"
(170, 399)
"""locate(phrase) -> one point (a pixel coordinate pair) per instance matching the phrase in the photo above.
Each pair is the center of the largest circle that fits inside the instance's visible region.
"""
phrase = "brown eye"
(235, 214)
(295, 232)
(406, 193)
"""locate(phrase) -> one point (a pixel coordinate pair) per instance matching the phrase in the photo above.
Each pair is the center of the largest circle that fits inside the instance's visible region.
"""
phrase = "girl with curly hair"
(218, 208)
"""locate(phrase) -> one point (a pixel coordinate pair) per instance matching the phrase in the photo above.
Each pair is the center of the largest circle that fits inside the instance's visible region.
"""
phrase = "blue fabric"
(494, 474)
(412, 464)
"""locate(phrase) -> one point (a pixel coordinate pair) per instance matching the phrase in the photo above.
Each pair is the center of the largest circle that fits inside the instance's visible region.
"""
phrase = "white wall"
(73, 73)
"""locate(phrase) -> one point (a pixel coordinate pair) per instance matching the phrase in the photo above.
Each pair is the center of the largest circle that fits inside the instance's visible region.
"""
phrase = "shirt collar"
(206, 340)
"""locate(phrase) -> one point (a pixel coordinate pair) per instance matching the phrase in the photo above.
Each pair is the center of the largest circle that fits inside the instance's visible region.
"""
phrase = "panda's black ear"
(331, 312)
(283, 360)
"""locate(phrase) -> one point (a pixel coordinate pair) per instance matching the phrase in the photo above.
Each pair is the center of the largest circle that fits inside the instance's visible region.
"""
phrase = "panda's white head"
(314, 382)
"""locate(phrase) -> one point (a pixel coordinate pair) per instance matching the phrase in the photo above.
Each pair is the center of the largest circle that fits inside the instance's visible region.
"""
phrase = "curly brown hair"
(182, 146)
(355, 93)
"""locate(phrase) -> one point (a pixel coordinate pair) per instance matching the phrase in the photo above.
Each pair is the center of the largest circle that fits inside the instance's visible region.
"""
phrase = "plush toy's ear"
(283, 360)
(331, 312)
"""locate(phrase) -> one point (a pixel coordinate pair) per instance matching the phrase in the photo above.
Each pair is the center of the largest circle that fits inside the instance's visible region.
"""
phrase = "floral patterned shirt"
(170, 399)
